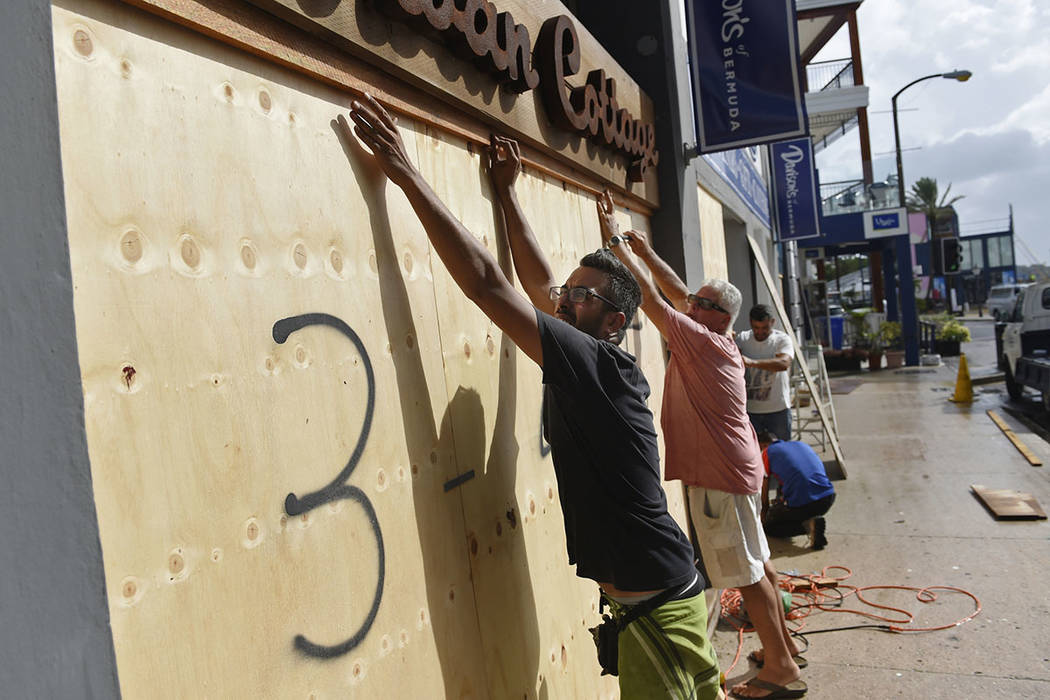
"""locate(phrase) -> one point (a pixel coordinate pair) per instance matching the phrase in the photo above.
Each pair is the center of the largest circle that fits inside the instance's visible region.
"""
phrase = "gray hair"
(729, 297)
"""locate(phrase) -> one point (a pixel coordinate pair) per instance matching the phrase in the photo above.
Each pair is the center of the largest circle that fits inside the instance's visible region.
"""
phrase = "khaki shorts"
(729, 527)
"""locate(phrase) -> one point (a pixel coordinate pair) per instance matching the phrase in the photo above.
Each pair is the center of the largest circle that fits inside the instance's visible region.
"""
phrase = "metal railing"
(841, 126)
(830, 75)
(850, 196)
(927, 336)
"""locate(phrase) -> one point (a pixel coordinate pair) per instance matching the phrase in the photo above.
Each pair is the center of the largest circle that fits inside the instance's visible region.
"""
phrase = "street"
(981, 362)
(905, 516)
(980, 352)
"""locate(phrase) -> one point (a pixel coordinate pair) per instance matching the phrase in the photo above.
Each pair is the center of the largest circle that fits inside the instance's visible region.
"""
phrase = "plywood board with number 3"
(281, 382)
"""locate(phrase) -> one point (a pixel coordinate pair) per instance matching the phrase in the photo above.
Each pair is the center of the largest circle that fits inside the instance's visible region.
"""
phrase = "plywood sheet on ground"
(1007, 504)
(259, 315)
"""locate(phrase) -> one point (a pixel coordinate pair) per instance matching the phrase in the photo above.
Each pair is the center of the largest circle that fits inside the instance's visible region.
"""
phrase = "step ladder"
(807, 424)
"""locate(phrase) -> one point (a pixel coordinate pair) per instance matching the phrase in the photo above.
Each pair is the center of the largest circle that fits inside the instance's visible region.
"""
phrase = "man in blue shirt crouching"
(804, 492)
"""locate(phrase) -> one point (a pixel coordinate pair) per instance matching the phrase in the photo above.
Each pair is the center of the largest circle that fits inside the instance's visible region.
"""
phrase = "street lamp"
(961, 75)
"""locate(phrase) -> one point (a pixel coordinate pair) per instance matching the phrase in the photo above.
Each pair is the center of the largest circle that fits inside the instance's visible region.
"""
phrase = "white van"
(1001, 299)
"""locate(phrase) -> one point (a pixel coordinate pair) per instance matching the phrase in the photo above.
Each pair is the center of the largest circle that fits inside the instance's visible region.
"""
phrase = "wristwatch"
(615, 240)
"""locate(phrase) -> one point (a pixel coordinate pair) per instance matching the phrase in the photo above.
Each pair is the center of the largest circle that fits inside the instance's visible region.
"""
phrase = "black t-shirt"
(603, 442)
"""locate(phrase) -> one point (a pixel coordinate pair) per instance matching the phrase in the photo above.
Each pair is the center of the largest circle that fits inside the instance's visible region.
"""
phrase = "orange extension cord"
(813, 592)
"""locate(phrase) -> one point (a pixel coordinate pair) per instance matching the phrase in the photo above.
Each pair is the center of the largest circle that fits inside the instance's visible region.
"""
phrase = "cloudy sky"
(989, 137)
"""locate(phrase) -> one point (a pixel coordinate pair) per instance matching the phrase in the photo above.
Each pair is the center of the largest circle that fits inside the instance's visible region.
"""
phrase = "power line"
(989, 221)
(903, 150)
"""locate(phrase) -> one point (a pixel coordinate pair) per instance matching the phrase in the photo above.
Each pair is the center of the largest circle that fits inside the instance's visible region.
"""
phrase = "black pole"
(897, 136)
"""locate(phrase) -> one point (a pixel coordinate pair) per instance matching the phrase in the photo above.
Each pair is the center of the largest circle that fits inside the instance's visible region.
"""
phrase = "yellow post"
(963, 387)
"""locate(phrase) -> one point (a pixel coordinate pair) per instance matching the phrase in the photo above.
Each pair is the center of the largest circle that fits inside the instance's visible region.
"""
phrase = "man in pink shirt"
(712, 448)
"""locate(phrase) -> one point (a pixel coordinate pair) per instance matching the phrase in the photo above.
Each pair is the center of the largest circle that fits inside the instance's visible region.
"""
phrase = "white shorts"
(729, 527)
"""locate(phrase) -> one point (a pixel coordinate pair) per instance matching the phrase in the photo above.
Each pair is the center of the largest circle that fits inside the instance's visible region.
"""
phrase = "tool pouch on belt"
(607, 634)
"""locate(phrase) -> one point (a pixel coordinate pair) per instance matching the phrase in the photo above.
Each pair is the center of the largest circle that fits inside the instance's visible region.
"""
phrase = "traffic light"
(951, 256)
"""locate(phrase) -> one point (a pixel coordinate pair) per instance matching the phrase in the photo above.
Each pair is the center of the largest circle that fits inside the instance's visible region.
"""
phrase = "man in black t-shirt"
(601, 432)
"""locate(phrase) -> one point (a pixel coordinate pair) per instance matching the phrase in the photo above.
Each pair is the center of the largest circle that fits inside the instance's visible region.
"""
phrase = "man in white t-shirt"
(767, 354)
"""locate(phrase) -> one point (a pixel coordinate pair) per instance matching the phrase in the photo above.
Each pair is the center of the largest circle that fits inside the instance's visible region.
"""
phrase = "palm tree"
(923, 198)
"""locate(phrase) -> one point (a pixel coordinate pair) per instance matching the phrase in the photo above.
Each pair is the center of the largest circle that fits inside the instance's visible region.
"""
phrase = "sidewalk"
(905, 516)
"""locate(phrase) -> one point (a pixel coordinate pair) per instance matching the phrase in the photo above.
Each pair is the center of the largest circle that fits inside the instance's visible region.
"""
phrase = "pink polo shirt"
(709, 438)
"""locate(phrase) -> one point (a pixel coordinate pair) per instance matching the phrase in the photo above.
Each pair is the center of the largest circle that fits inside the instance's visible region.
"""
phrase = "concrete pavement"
(905, 516)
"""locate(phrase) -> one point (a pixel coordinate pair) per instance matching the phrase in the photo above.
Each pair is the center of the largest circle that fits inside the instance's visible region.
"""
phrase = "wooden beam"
(471, 112)
(1012, 437)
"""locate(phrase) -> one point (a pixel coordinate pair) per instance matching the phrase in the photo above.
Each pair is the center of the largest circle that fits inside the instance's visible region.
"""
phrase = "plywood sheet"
(712, 236)
(258, 315)
(1007, 504)
(208, 198)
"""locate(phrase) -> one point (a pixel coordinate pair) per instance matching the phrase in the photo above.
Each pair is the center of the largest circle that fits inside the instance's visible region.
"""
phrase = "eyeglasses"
(705, 303)
(578, 295)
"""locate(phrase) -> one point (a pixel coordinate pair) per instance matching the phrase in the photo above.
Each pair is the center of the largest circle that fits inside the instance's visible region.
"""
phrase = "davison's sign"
(503, 48)
(745, 62)
(795, 189)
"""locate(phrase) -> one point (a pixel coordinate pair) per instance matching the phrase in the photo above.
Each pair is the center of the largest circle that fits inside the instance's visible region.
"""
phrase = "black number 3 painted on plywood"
(338, 489)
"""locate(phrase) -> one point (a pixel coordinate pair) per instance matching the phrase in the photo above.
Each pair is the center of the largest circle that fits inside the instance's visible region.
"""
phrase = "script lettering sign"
(795, 189)
(746, 84)
(503, 48)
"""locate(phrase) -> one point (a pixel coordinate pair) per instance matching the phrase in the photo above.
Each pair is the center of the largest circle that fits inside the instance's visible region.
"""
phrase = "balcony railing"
(830, 75)
(850, 196)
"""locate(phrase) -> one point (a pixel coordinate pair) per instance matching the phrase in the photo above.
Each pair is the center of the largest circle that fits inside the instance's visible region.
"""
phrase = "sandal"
(794, 689)
(799, 660)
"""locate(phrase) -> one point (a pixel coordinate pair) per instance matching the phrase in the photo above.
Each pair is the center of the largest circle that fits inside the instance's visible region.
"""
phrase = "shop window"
(994, 256)
(1006, 251)
(976, 253)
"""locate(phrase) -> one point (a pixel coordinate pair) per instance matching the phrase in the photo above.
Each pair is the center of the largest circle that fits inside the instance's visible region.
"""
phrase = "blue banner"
(795, 189)
(740, 169)
(745, 67)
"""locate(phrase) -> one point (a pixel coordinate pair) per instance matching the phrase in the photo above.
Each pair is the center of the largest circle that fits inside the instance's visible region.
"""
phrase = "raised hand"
(638, 242)
(504, 163)
(607, 216)
(378, 130)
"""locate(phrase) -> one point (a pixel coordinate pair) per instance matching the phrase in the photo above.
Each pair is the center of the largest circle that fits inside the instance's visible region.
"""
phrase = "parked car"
(1001, 299)
(1023, 343)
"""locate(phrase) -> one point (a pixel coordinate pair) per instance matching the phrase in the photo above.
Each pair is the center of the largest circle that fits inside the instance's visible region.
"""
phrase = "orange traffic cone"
(963, 387)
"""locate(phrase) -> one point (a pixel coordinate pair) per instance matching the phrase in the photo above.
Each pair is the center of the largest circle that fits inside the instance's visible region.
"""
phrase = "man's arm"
(469, 263)
(652, 305)
(781, 362)
(529, 262)
(669, 283)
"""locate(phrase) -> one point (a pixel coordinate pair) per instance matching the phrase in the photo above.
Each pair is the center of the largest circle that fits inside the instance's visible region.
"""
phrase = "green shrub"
(953, 331)
(890, 335)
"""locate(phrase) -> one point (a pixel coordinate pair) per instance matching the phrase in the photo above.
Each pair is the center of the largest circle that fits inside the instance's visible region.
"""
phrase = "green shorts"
(666, 654)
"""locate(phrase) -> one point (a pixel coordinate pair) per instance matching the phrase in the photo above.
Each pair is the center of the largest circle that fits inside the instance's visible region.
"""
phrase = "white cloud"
(990, 137)
(1033, 116)
(1021, 58)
